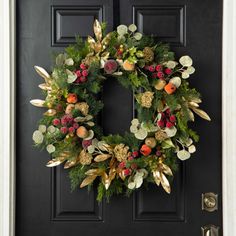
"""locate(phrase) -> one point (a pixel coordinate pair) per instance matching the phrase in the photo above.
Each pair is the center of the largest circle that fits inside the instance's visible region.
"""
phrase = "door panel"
(45, 204)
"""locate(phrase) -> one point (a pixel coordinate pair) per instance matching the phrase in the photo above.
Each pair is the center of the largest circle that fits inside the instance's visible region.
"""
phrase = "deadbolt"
(209, 202)
(210, 230)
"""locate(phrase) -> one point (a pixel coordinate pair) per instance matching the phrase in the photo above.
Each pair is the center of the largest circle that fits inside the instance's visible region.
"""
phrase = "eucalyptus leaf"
(138, 36)
(71, 78)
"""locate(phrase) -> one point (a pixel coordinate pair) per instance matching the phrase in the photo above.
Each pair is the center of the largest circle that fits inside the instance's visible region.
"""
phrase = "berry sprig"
(82, 74)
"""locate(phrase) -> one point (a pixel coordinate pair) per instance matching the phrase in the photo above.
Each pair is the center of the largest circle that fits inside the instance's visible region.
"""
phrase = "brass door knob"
(209, 202)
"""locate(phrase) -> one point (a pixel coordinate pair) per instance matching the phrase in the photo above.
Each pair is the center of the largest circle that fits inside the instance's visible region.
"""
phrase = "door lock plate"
(210, 230)
(209, 202)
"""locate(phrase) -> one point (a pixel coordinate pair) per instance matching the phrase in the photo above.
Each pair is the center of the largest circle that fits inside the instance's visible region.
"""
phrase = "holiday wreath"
(158, 136)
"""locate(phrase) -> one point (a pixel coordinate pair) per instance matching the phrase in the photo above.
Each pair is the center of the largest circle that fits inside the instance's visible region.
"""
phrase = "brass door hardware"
(210, 230)
(209, 201)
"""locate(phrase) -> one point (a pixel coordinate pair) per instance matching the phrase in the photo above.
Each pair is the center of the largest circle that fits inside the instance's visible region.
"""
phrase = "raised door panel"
(165, 23)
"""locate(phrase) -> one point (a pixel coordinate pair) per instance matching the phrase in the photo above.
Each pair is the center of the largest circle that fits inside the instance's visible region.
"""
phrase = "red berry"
(127, 172)
(158, 68)
(135, 154)
(169, 124)
(168, 71)
(167, 111)
(83, 79)
(172, 119)
(76, 125)
(161, 123)
(151, 68)
(160, 75)
(63, 121)
(71, 129)
(154, 75)
(119, 52)
(69, 119)
(83, 66)
(56, 122)
(163, 116)
(59, 107)
(85, 73)
(63, 130)
(77, 81)
(134, 166)
(122, 165)
(158, 153)
(130, 158)
(78, 73)
(146, 67)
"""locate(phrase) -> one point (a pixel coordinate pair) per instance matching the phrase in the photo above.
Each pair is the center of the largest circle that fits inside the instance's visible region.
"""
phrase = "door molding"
(228, 117)
(7, 117)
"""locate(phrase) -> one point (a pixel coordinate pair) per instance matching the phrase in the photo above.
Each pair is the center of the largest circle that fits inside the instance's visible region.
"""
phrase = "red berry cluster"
(167, 120)
(82, 74)
(128, 170)
(66, 124)
(157, 71)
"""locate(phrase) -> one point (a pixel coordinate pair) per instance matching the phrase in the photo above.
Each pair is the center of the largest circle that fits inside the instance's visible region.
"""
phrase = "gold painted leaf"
(193, 104)
(167, 170)
(50, 112)
(88, 180)
(102, 157)
(91, 41)
(197, 100)
(165, 183)
(70, 163)
(191, 115)
(65, 154)
(107, 39)
(42, 72)
(44, 86)
(37, 102)
(201, 113)
(106, 180)
(93, 172)
(55, 162)
(97, 30)
(97, 47)
(156, 176)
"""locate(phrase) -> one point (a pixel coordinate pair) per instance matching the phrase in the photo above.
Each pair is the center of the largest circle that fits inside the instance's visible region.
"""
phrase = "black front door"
(45, 204)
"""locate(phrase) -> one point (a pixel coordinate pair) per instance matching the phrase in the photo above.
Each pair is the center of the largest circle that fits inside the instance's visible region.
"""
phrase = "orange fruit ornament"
(128, 66)
(82, 132)
(145, 150)
(170, 88)
(72, 98)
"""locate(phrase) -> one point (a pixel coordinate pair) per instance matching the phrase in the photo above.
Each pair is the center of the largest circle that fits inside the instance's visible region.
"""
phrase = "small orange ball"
(128, 66)
(145, 150)
(82, 132)
(72, 98)
(170, 88)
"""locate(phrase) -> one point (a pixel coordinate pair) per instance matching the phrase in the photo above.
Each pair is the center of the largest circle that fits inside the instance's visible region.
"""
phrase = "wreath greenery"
(158, 136)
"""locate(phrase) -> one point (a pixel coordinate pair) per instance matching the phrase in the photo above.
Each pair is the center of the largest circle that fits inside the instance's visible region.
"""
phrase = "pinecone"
(85, 158)
(148, 54)
(161, 135)
(121, 152)
(83, 107)
(146, 99)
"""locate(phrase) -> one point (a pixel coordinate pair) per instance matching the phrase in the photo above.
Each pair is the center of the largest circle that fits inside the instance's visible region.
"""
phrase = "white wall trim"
(7, 104)
(228, 115)
(7, 122)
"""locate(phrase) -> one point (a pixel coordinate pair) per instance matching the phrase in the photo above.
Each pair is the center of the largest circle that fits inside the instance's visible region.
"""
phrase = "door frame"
(7, 117)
